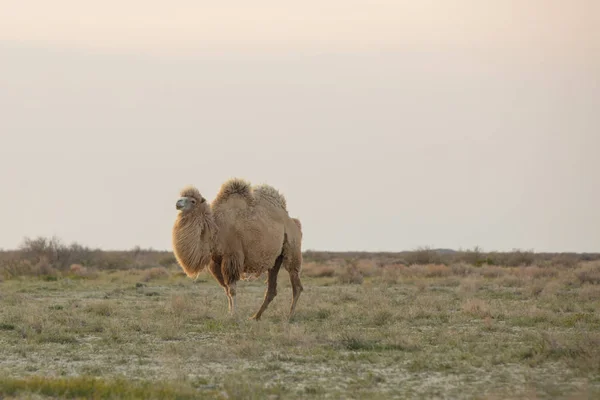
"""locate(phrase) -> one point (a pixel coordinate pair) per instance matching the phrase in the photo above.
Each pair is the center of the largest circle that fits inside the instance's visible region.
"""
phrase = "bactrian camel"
(245, 231)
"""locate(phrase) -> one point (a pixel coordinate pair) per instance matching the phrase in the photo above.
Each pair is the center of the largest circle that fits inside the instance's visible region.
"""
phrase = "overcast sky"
(387, 124)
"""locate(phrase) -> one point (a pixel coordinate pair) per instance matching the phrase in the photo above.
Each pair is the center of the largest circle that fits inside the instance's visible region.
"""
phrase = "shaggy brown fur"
(245, 231)
(271, 195)
(193, 254)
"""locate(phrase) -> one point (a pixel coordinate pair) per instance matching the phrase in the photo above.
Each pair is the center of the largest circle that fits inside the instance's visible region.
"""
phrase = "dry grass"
(362, 330)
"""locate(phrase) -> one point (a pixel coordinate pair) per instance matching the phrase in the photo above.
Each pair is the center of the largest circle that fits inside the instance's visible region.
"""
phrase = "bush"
(423, 256)
(155, 273)
(492, 271)
(167, 261)
(461, 269)
(54, 252)
(350, 274)
(390, 274)
(589, 273)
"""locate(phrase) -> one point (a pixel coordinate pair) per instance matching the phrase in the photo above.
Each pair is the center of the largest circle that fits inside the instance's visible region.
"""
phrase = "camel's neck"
(192, 241)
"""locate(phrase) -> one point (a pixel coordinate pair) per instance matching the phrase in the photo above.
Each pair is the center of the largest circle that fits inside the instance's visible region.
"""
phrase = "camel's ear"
(202, 200)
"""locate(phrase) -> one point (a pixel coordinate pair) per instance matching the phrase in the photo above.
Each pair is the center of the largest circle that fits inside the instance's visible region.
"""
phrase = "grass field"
(362, 331)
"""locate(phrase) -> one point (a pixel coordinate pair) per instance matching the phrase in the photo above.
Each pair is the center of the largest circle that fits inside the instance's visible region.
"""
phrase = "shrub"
(589, 273)
(44, 268)
(315, 270)
(518, 258)
(390, 274)
(350, 275)
(473, 257)
(368, 268)
(436, 271)
(492, 271)
(155, 273)
(423, 256)
(54, 252)
(461, 269)
(167, 261)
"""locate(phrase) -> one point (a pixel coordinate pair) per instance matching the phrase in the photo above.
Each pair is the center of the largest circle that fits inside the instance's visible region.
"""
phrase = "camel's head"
(190, 200)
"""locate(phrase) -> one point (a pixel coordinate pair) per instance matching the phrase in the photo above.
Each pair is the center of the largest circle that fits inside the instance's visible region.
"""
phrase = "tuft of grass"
(353, 342)
(382, 317)
(476, 307)
(102, 308)
(180, 305)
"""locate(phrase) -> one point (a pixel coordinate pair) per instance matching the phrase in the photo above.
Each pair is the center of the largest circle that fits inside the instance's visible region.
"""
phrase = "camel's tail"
(299, 225)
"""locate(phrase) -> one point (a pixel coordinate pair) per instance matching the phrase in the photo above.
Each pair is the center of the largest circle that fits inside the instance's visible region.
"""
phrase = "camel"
(244, 232)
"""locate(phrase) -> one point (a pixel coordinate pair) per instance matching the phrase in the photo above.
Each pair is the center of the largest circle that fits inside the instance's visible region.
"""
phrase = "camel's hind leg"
(271, 288)
(296, 290)
(292, 254)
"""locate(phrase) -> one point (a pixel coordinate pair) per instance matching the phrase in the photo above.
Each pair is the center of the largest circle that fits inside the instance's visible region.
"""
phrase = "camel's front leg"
(231, 297)
(216, 270)
(230, 270)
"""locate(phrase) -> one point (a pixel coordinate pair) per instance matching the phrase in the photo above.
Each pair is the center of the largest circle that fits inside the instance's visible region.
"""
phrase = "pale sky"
(387, 124)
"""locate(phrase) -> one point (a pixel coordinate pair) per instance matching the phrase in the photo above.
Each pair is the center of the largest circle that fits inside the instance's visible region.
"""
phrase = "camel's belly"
(253, 268)
(262, 243)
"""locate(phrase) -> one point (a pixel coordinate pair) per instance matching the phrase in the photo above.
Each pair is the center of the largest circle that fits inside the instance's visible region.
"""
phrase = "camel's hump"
(270, 194)
(232, 187)
(265, 194)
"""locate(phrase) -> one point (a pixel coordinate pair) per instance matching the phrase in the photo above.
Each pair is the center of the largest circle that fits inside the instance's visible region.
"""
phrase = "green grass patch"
(94, 388)
(7, 327)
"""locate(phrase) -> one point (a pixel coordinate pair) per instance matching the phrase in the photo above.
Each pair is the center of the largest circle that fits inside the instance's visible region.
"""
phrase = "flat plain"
(363, 330)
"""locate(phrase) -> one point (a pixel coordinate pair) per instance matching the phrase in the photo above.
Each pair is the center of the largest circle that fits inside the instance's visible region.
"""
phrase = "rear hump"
(271, 195)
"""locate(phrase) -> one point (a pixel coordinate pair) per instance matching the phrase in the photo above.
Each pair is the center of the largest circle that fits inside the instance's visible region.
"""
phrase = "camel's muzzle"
(180, 204)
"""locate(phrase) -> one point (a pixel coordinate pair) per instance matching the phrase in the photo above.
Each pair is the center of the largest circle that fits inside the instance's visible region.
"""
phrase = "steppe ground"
(362, 332)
